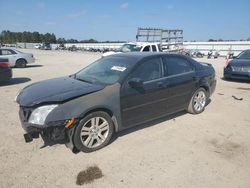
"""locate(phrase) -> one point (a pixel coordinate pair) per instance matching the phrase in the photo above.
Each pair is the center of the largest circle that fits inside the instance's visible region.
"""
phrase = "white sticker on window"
(118, 68)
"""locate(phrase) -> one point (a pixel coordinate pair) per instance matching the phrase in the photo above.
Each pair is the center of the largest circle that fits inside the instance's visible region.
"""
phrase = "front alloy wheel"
(93, 132)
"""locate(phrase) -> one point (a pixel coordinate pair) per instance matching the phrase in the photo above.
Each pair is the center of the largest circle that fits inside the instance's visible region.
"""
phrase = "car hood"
(240, 62)
(55, 91)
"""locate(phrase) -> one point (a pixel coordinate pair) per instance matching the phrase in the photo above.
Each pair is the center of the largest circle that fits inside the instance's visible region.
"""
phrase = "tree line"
(8, 37)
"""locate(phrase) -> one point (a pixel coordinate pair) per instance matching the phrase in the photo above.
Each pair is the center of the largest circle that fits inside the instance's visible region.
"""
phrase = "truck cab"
(136, 47)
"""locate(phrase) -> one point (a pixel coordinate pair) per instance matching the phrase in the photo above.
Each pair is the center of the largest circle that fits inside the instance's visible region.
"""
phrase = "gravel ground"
(207, 150)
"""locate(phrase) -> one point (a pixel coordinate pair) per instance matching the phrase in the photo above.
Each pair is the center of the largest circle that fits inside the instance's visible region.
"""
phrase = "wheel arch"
(104, 109)
(21, 58)
(206, 87)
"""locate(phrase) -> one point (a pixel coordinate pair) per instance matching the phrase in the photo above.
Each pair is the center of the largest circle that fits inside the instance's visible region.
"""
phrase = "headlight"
(39, 115)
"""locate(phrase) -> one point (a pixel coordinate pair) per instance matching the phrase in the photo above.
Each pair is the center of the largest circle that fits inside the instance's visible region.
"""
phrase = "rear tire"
(21, 63)
(198, 101)
(93, 132)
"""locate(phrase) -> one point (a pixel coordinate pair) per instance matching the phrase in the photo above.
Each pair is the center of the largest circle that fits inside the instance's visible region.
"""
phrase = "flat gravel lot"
(209, 150)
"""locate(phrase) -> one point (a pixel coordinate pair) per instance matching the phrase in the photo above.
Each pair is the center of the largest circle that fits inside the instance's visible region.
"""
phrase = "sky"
(119, 19)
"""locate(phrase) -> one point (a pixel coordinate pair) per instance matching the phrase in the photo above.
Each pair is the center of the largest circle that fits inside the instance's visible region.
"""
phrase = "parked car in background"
(135, 47)
(114, 93)
(60, 47)
(45, 46)
(197, 53)
(73, 48)
(16, 58)
(5, 70)
(37, 46)
(239, 67)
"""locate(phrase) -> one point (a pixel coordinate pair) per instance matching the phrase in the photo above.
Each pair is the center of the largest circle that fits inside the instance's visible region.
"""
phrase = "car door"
(10, 55)
(143, 103)
(180, 74)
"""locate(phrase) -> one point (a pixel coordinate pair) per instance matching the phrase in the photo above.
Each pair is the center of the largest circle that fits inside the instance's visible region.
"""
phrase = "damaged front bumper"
(57, 132)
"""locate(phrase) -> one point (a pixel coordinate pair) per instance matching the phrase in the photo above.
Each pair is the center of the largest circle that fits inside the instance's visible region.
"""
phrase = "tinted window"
(244, 55)
(176, 65)
(149, 70)
(154, 48)
(146, 49)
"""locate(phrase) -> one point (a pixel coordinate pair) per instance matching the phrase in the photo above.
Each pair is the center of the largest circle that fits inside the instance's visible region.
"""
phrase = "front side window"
(146, 49)
(176, 65)
(148, 70)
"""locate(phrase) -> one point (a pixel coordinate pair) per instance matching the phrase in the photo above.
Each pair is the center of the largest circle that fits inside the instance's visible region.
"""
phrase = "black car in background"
(112, 94)
(5, 70)
(239, 67)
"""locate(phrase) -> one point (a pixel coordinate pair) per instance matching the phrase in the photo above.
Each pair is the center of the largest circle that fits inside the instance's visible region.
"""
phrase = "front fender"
(108, 98)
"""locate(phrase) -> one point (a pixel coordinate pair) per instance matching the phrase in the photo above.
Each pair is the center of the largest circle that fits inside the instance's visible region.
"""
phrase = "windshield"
(244, 55)
(129, 48)
(107, 70)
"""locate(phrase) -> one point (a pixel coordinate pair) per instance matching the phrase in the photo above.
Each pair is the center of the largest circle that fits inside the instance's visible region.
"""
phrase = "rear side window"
(176, 65)
(154, 48)
(148, 70)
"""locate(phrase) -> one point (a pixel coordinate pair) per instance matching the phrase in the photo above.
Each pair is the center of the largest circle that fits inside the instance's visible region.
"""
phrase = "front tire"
(198, 101)
(93, 132)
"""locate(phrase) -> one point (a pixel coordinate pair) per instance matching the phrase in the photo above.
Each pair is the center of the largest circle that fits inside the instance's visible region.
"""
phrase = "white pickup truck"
(136, 47)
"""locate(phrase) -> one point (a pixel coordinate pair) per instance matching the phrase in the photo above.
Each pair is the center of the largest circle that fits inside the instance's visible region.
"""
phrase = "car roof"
(7, 48)
(143, 43)
(137, 56)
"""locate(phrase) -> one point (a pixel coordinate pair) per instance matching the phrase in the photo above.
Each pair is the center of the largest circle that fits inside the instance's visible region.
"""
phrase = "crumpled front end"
(51, 132)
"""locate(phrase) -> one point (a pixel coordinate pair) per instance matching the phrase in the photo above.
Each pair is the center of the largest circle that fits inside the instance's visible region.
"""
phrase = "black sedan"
(239, 67)
(5, 70)
(112, 94)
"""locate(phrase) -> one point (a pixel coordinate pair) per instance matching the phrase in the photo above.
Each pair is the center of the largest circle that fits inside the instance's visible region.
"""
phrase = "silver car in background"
(16, 58)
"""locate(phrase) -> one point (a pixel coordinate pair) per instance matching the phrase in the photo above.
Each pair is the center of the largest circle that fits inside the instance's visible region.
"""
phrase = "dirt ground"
(210, 150)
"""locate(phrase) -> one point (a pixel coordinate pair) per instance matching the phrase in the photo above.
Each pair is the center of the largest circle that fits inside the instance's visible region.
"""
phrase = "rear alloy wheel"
(198, 101)
(93, 132)
(21, 63)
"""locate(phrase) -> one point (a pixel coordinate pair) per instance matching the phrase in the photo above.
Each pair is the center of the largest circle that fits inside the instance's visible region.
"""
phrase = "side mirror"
(234, 57)
(135, 83)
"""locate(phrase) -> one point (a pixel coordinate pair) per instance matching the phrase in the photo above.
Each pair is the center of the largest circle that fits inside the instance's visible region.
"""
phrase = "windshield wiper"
(84, 80)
